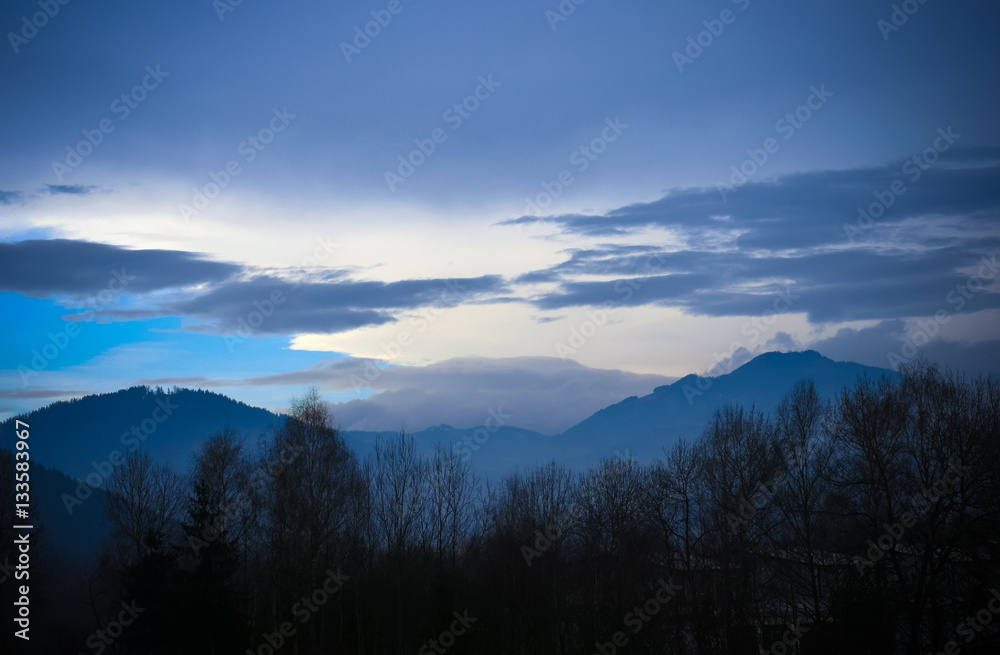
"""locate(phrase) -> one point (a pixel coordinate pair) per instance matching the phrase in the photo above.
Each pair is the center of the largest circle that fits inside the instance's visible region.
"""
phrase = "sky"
(431, 209)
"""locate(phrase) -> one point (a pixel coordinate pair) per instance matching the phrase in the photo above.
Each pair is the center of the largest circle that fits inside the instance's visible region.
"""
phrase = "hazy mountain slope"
(78, 436)
(493, 453)
(74, 436)
(641, 427)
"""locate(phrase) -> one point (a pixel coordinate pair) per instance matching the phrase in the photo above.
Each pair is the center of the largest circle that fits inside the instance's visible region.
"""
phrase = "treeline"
(870, 524)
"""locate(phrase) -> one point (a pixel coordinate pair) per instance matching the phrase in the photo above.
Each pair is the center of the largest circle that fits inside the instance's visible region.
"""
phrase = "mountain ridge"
(644, 425)
(641, 425)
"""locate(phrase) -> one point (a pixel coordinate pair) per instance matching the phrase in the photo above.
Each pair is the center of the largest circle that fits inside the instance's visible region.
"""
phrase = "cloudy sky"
(428, 209)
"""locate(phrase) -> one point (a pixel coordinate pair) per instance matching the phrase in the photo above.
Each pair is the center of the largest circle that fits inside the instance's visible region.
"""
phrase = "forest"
(869, 523)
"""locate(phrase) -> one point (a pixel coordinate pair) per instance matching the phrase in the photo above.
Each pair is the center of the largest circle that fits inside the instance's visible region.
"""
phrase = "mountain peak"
(84, 433)
(789, 358)
(681, 410)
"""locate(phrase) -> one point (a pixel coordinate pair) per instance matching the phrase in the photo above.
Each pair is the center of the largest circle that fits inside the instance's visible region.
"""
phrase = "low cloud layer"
(548, 395)
(873, 346)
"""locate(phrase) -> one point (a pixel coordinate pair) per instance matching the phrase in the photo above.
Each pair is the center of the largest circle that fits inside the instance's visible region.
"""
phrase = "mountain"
(70, 516)
(78, 437)
(642, 427)
(493, 451)
(72, 442)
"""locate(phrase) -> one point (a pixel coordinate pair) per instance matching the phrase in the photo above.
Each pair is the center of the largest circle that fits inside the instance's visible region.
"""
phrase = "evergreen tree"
(208, 595)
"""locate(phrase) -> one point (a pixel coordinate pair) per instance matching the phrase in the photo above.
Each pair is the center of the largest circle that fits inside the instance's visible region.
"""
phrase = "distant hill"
(70, 517)
(69, 528)
(642, 427)
(72, 440)
(74, 435)
(493, 453)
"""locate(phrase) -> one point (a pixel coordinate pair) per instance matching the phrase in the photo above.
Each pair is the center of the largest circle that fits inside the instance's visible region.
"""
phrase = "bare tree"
(143, 501)
(739, 469)
(675, 500)
(399, 495)
(452, 500)
(309, 480)
(399, 492)
(618, 543)
(805, 458)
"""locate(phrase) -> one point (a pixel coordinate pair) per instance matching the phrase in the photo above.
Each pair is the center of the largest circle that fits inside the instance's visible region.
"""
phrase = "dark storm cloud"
(70, 189)
(835, 286)
(226, 293)
(327, 306)
(800, 235)
(658, 289)
(63, 267)
(873, 346)
(810, 210)
(406, 294)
